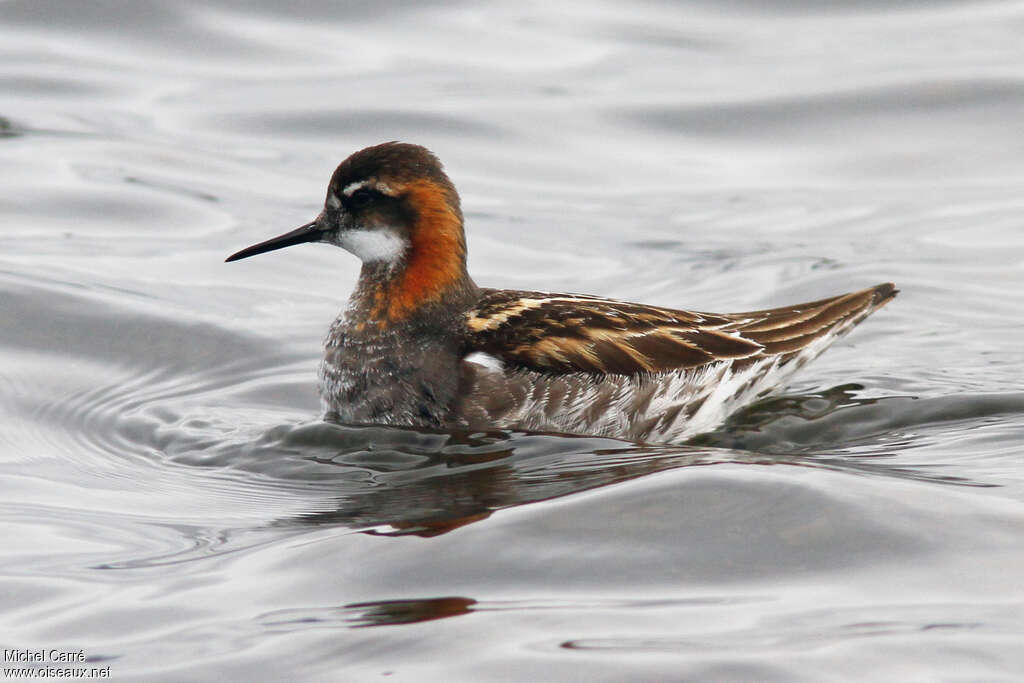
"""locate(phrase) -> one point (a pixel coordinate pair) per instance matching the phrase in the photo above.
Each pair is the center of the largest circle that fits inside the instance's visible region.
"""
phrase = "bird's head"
(392, 206)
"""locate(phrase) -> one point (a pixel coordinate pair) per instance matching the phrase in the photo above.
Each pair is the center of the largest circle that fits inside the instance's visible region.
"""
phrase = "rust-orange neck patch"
(436, 261)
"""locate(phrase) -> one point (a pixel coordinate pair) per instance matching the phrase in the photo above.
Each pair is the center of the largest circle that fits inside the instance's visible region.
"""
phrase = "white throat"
(373, 245)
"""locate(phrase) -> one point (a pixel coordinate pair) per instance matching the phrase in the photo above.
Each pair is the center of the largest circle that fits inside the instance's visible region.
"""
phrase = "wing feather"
(564, 333)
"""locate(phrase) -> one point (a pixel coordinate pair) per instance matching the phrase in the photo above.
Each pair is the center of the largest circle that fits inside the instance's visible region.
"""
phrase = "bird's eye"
(360, 199)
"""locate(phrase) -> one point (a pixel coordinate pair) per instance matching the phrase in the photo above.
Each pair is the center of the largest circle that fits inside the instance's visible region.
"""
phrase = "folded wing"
(570, 333)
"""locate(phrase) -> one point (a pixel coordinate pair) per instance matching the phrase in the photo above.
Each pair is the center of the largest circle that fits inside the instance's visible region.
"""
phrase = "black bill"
(310, 232)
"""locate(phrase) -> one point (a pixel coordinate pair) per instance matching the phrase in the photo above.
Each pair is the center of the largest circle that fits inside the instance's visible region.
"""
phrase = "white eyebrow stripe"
(333, 201)
(352, 187)
(370, 183)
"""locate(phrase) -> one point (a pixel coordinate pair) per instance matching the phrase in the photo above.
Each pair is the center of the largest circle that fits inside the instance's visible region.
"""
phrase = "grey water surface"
(173, 507)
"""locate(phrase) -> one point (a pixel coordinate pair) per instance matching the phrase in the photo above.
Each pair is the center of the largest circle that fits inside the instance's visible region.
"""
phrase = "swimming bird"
(420, 344)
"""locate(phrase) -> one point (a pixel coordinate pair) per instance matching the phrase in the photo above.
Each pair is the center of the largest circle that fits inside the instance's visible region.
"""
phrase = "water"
(173, 508)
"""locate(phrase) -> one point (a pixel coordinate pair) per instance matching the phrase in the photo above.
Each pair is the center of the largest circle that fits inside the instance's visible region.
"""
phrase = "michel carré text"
(44, 655)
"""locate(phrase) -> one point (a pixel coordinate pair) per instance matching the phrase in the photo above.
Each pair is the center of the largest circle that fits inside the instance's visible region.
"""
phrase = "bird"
(421, 345)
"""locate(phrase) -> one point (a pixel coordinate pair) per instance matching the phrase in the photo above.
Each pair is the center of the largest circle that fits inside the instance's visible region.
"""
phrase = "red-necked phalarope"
(421, 345)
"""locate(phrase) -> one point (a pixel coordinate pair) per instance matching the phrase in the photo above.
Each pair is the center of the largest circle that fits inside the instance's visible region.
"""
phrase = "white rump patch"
(373, 245)
(485, 360)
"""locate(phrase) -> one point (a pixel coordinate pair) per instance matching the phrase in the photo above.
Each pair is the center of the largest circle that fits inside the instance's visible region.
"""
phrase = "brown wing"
(564, 333)
(791, 328)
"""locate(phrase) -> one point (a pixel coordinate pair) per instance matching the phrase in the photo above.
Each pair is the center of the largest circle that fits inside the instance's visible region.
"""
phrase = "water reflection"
(393, 612)
(397, 482)
(363, 614)
(414, 610)
(404, 481)
(840, 421)
(7, 129)
(391, 482)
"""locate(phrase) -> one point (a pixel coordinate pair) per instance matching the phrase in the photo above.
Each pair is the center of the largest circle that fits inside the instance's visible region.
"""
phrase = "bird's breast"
(387, 378)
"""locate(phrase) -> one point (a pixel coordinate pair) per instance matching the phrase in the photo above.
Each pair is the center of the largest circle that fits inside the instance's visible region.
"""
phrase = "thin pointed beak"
(310, 232)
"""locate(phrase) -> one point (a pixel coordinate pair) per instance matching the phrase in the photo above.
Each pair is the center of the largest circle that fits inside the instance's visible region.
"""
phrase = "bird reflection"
(393, 612)
(396, 482)
(469, 476)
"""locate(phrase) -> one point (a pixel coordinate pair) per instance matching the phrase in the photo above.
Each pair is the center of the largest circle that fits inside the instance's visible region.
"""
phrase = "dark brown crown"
(394, 163)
